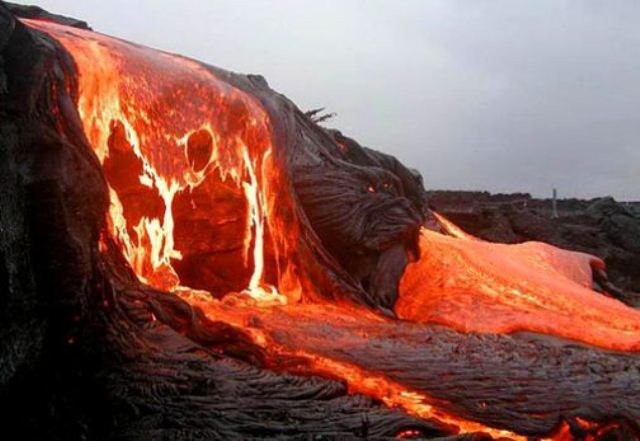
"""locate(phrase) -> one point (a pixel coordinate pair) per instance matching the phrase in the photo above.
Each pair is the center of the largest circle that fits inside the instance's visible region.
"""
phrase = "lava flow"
(187, 160)
(476, 286)
(193, 188)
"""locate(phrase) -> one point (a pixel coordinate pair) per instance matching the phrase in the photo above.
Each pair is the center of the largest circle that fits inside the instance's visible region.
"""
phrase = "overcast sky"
(501, 95)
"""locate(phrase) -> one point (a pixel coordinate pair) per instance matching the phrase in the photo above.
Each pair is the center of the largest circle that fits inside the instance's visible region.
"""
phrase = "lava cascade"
(188, 161)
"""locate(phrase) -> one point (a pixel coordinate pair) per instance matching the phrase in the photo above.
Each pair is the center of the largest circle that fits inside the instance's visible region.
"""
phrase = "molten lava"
(194, 187)
(477, 286)
(177, 143)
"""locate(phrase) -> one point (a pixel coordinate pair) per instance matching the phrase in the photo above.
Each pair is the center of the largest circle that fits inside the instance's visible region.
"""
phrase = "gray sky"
(502, 95)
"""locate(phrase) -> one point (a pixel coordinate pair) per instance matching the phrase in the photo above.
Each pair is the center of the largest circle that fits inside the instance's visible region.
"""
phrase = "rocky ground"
(603, 226)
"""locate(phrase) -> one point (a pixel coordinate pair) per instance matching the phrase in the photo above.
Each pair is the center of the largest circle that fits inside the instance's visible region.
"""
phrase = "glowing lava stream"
(270, 328)
(256, 289)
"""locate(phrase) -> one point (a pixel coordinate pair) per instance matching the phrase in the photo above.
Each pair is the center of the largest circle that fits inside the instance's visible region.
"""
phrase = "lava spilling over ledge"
(203, 206)
(188, 162)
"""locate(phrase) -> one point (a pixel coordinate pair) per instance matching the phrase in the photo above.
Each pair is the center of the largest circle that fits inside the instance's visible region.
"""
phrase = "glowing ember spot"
(410, 433)
(102, 243)
(563, 433)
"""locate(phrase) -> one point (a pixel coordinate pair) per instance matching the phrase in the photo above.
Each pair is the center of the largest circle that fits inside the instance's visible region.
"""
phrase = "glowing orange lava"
(281, 331)
(477, 286)
(181, 147)
(161, 101)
